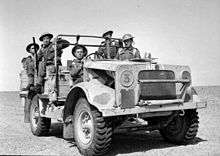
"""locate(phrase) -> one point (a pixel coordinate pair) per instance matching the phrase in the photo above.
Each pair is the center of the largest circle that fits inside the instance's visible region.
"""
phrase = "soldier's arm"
(118, 53)
(51, 53)
(59, 53)
(40, 55)
(101, 51)
(137, 54)
(24, 62)
(30, 66)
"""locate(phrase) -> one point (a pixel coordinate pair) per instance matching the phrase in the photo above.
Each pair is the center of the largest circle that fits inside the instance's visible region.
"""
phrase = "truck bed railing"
(84, 36)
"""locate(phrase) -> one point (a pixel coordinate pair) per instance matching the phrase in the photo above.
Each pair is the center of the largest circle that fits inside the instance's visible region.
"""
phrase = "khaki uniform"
(128, 53)
(113, 50)
(76, 71)
(29, 65)
(46, 56)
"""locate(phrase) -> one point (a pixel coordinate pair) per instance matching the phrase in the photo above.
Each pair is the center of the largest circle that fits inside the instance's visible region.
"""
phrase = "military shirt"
(113, 46)
(76, 69)
(128, 53)
(30, 65)
(47, 54)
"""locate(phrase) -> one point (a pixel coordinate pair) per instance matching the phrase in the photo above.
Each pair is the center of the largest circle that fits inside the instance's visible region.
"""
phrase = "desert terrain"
(17, 139)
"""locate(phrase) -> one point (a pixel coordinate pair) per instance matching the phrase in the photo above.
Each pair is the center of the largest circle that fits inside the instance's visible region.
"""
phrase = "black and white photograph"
(110, 77)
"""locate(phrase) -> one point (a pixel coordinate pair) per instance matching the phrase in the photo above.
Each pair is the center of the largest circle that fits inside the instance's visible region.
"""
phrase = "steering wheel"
(95, 53)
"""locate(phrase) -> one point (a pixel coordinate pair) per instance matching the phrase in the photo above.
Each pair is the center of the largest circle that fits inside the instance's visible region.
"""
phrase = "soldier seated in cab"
(108, 48)
(128, 52)
(76, 69)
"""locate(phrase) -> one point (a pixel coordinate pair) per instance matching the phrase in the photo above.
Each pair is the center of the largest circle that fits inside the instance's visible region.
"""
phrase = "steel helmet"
(127, 36)
(46, 34)
(32, 44)
(77, 47)
(107, 32)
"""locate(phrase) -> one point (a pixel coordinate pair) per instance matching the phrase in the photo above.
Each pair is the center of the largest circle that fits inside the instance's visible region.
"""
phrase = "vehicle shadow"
(56, 129)
(125, 143)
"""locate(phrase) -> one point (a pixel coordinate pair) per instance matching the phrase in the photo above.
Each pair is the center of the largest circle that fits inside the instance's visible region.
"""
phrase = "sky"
(175, 31)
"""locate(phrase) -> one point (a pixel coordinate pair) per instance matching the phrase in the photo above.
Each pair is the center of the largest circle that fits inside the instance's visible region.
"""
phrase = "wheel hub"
(85, 127)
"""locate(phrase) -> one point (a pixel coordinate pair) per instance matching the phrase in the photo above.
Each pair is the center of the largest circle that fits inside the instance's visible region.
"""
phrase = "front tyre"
(92, 133)
(39, 125)
(182, 129)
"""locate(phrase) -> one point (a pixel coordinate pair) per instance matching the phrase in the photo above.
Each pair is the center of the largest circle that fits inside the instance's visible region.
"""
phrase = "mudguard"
(97, 94)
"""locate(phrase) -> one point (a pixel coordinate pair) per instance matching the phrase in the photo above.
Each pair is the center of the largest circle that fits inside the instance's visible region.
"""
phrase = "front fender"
(97, 94)
(100, 96)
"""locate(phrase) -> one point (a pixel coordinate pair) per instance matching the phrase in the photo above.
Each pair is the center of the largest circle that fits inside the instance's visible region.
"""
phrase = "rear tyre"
(92, 133)
(40, 126)
(183, 129)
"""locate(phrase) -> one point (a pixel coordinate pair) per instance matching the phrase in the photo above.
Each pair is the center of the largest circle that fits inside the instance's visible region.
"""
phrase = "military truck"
(133, 95)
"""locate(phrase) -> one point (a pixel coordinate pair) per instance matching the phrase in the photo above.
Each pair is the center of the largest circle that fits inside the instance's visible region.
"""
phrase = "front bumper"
(152, 106)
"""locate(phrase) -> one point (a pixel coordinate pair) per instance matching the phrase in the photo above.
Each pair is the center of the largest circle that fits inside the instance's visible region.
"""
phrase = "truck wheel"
(183, 129)
(92, 133)
(39, 125)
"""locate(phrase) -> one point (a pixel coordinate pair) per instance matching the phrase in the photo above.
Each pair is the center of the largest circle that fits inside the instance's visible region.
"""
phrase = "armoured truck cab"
(132, 95)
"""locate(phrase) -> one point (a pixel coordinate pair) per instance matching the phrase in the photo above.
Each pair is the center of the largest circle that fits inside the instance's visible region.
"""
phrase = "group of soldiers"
(117, 51)
(109, 49)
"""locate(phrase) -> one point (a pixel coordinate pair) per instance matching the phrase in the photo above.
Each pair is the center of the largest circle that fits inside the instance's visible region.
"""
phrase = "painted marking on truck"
(102, 98)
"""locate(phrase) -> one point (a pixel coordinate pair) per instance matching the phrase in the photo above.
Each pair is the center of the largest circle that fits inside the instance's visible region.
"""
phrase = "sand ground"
(16, 137)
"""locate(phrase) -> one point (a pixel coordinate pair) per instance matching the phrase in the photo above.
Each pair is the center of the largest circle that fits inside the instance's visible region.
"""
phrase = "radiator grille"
(157, 91)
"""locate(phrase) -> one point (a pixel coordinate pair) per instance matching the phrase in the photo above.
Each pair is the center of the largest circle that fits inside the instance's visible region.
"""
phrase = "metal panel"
(127, 98)
(134, 69)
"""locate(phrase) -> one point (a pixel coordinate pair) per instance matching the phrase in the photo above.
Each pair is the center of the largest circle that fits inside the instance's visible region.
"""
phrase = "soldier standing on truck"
(76, 70)
(29, 64)
(108, 48)
(128, 52)
(46, 56)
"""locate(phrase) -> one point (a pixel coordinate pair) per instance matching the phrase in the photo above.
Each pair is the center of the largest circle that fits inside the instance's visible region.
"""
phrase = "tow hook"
(182, 113)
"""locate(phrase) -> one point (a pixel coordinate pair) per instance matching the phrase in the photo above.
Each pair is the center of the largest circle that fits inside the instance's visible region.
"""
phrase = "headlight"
(126, 78)
(186, 75)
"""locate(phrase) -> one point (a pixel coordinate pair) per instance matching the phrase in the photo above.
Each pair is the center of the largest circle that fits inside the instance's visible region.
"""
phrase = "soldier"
(23, 61)
(76, 70)
(29, 64)
(46, 56)
(128, 52)
(107, 45)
